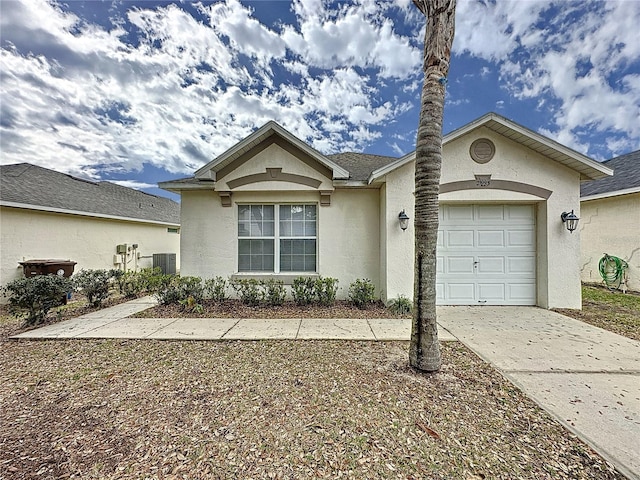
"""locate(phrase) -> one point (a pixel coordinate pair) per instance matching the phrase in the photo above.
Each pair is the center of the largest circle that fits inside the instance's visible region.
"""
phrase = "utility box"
(166, 262)
(64, 268)
(121, 248)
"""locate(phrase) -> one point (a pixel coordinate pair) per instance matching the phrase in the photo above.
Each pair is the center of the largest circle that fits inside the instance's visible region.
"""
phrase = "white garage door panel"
(525, 292)
(522, 266)
(490, 238)
(489, 213)
(458, 265)
(491, 291)
(521, 238)
(460, 292)
(459, 238)
(486, 255)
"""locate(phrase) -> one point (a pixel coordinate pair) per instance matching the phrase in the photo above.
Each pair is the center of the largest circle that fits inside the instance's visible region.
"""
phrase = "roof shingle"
(626, 174)
(360, 165)
(32, 185)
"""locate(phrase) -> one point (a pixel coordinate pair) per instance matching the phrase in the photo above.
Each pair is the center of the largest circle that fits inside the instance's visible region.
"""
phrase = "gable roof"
(268, 130)
(625, 179)
(24, 185)
(360, 165)
(589, 169)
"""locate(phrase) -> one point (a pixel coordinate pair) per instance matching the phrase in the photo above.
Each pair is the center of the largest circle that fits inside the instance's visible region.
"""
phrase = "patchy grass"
(613, 311)
(275, 409)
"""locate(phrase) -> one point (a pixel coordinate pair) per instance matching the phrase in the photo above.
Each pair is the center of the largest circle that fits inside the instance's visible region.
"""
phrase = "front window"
(277, 238)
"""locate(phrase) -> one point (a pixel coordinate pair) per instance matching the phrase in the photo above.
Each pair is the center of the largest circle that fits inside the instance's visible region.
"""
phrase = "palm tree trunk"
(424, 352)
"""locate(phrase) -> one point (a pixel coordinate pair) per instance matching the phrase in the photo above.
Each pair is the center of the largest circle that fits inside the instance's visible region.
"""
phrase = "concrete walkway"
(112, 323)
(586, 377)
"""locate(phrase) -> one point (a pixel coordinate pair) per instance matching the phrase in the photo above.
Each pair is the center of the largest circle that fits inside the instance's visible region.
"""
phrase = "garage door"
(486, 255)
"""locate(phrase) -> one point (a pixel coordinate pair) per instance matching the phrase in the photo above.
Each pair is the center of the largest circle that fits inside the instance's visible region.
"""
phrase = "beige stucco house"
(610, 223)
(272, 206)
(49, 215)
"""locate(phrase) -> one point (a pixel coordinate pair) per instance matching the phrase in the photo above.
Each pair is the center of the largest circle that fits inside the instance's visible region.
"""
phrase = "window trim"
(276, 237)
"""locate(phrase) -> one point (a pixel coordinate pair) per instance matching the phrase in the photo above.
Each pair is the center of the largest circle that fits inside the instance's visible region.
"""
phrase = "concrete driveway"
(588, 378)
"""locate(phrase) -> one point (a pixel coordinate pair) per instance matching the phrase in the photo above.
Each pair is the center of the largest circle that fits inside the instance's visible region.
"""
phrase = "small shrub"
(273, 292)
(362, 293)
(168, 292)
(174, 289)
(248, 291)
(94, 284)
(150, 279)
(130, 284)
(190, 304)
(216, 289)
(325, 290)
(37, 295)
(303, 290)
(400, 305)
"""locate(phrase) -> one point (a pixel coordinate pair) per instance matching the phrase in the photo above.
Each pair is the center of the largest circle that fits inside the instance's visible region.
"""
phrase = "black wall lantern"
(404, 220)
(570, 220)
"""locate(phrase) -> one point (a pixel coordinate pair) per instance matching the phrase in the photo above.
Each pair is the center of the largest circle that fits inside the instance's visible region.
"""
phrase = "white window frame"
(276, 237)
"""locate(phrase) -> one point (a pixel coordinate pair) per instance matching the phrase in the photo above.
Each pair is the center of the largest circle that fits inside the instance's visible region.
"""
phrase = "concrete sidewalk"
(586, 377)
(112, 323)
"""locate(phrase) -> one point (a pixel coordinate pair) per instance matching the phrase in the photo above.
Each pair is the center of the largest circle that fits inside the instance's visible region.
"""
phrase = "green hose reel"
(613, 271)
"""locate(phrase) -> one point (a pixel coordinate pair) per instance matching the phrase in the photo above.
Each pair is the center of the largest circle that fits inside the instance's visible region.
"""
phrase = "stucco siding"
(400, 186)
(347, 250)
(271, 157)
(89, 241)
(611, 225)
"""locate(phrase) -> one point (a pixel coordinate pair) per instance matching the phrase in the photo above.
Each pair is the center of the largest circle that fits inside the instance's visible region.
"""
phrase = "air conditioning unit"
(166, 262)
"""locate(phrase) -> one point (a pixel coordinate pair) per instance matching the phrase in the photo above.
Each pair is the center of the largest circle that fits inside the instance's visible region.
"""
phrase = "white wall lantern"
(404, 220)
(570, 219)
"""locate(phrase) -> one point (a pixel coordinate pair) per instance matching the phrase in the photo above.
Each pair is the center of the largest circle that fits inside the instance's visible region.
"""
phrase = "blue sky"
(138, 92)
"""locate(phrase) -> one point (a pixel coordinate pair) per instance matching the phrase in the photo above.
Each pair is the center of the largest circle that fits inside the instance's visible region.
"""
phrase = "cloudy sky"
(144, 91)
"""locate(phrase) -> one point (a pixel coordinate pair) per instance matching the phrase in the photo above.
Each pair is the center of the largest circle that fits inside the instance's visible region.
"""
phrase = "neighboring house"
(273, 207)
(49, 215)
(610, 219)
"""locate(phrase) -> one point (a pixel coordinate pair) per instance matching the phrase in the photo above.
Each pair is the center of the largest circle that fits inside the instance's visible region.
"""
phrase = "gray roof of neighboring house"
(626, 174)
(360, 165)
(28, 184)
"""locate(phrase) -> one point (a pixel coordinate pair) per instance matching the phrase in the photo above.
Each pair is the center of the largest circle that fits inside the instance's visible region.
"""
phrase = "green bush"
(94, 284)
(326, 290)
(216, 289)
(150, 279)
(400, 305)
(362, 293)
(191, 305)
(129, 283)
(303, 290)
(174, 289)
(248, 290)
(37, 295)
(273, 292)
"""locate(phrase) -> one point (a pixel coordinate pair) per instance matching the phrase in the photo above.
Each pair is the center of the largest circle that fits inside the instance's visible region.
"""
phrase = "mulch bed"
(236, 309)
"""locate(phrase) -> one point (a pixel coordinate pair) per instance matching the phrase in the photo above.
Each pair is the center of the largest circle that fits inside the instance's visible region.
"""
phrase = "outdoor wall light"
(570, 219)
(404, 220)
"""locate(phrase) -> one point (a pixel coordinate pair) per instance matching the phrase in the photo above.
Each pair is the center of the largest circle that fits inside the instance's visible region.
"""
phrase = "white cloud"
(175, 85)
(568, 65)
(355, 36)
(182, 92)
(133, 184)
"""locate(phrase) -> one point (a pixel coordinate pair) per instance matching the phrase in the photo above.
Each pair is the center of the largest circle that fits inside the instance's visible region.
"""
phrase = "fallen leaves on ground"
(271, 409)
